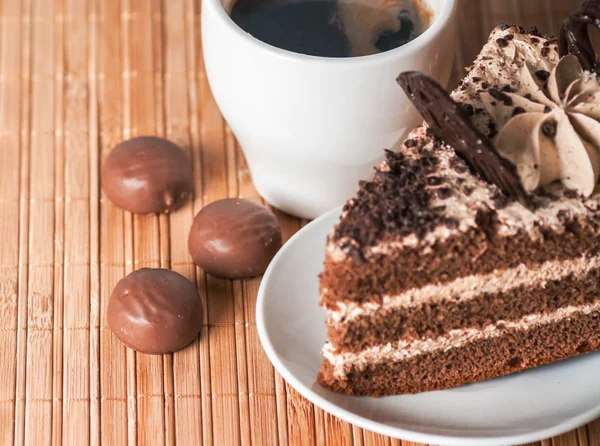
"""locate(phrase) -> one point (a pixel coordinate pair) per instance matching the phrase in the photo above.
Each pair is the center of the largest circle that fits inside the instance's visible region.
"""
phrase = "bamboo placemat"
(76, 77)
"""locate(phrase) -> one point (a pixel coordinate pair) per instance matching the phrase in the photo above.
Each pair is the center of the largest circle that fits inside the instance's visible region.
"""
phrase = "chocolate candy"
(234, 238)
(451, 123)
(155, 311)
(147, 175)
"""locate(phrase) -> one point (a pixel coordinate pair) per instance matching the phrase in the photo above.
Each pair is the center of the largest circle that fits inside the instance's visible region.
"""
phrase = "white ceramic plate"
(519, 408)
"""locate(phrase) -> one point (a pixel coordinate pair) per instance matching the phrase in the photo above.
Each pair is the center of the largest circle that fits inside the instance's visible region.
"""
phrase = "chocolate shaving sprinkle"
(434, 181)
(410, 143)
(395, 203)
(504, 26)
(444, 192)
(492, 130)
(458, 164)
(485, 85)
(549, 128)
(509, 37)
(507, 88)
(449, 122)
(500, 201)
(534, 31)
(354, 253)
(542, 75)
(382, 174)
(545, 51)
(452, 223)
(570, 193)
(575, 37)
(502, 43)
(469, 109)
(518, 111)
(535, 40)
(502, 97)
(547, 109)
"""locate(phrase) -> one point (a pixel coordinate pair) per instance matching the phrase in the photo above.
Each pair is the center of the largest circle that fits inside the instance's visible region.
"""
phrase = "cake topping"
(396, 202)
(449, 122)
(575, 37)
(549, 129)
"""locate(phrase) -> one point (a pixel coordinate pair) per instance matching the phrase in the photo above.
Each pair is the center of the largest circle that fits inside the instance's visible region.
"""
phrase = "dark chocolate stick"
(449, 122)
(575, 37)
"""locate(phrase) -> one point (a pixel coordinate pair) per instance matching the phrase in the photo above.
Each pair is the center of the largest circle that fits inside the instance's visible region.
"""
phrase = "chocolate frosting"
(549, 127)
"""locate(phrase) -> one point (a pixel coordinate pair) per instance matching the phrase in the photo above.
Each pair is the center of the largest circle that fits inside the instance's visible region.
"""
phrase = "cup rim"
(422, 40)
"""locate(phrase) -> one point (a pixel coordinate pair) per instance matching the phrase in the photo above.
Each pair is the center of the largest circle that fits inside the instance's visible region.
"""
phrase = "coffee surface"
(333, 28)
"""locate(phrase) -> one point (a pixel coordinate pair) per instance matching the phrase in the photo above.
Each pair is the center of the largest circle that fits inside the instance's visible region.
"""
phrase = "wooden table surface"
(76, 77)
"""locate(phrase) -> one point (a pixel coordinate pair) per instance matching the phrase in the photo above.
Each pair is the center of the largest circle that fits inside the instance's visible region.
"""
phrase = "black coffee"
(333, 28)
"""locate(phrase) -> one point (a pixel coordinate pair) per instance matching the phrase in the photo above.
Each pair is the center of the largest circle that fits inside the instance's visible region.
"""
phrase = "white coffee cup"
(312, 127)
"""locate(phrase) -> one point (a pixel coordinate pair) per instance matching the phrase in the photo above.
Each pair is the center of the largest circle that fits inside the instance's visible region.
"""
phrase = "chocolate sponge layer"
(470, 253)
(432, 320)
(513, 351)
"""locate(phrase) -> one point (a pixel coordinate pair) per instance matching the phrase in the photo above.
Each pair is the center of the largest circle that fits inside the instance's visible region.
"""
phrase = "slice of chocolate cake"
(436, 276)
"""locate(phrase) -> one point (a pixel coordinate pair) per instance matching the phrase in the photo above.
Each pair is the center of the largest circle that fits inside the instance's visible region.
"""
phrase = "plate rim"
(375, 426)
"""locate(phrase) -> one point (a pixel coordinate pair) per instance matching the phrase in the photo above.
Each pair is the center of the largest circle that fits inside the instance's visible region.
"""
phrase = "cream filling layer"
(403, 350)
(469, 287)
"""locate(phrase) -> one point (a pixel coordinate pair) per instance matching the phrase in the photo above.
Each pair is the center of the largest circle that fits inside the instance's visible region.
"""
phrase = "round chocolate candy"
(234, 238)
(147, 175)
(155, 311)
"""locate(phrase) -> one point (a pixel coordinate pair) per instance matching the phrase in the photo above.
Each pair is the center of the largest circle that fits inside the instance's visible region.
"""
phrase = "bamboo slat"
(77, 224)
(38, 368)
(23, 65)
(59, 233)
(113, 359)
(10, 271)
(178, 73)
(76, 78)
(140, 106)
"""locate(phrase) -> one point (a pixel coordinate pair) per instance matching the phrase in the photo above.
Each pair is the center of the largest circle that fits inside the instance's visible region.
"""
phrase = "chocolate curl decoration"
(449, 122)
(575, 37)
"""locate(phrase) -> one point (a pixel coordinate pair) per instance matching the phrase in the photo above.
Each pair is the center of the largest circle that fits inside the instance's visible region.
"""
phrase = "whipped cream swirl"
(550, 127)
